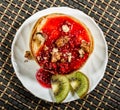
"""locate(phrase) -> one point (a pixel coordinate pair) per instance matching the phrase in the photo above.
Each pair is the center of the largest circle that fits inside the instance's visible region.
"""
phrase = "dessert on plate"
(61, 44)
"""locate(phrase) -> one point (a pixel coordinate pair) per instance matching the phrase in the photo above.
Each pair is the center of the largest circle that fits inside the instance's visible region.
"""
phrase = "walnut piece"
(28, 55)
(55, 55)
(65, 28)
(85, 46)
(62, 41)
(81, 52)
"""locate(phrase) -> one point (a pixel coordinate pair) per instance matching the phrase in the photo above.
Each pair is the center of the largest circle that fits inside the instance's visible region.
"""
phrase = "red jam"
(60, 52)
(44, 78)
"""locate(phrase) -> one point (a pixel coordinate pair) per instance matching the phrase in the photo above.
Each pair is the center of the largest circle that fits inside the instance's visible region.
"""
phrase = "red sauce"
(53, 31)
(44, 78)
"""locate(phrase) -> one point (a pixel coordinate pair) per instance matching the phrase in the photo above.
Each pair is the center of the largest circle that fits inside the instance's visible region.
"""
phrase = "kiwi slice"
(60, 87)
(79, 82)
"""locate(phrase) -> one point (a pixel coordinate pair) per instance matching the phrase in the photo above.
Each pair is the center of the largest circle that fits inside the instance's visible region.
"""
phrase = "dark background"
(105, 96)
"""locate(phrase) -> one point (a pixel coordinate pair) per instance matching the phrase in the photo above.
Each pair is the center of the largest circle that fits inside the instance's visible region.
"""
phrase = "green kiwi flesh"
(79, 82)
(60, 87)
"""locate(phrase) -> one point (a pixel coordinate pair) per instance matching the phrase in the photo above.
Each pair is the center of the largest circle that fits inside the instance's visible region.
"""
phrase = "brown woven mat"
(106, 95)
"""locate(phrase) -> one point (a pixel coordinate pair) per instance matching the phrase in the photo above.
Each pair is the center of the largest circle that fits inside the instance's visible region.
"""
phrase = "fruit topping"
(44, 77)
(60, 87)
(79, 82)
(75, 82)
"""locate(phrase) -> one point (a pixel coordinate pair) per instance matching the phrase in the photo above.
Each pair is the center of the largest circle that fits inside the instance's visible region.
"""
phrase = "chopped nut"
(85, 46)
(62, 41)
(81, 52)
(28, 55)
(39, 38)
(55, 55)
(65, 28)
(55, 50)
(69, 57)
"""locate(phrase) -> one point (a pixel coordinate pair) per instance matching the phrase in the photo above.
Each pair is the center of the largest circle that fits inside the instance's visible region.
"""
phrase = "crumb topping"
(55, 55)
(65, 28)
(85, 46)
(81, 52)
(62, 41)
(69, 57)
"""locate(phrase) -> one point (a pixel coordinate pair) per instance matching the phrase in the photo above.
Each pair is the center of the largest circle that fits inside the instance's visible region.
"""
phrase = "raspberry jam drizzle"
(67, 57)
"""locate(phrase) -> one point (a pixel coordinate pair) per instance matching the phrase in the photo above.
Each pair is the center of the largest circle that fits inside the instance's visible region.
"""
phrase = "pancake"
(60, 43)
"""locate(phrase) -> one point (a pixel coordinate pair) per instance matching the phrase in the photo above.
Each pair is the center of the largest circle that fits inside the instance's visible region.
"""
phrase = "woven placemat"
(106, 95)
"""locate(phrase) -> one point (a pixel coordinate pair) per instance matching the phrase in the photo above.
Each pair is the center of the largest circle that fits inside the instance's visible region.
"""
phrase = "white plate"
(25, 71)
